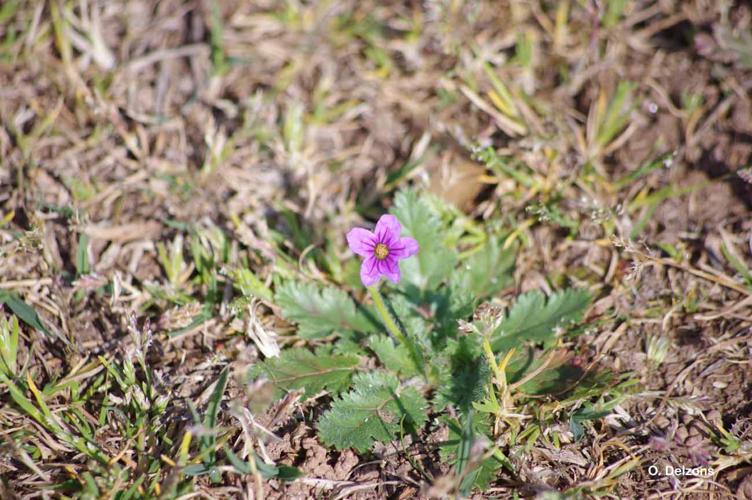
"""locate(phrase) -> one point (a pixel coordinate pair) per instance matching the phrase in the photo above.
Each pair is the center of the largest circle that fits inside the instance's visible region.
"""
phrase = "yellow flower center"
(381, 251)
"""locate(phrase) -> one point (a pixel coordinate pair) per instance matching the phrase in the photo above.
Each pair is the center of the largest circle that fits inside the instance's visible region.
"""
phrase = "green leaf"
(466, 379)
(434, 261)
(533, 319)
(394, 357)
(617, 114)
(82, 255)
(416, 330)
(250, 285)
(210, 419)
(313, 372)
(588, 412)
(8, 10)
(643, 170)
(288, 473)
(407, 315)
(196, 470)
(489, 270)
(23, 310)
(350, 343)
(449, 304)
(320, 312)
(8, 345)
(456, 450)
(22, 401)
(376, 409)
(740, 267)
(212, 410)
(481, 474)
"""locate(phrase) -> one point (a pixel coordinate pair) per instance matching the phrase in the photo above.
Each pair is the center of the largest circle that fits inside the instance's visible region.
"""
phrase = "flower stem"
(389, 322)
(394, 329)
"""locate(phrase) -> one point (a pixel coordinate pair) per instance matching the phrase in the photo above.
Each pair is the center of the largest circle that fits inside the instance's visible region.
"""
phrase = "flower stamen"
(381, 251)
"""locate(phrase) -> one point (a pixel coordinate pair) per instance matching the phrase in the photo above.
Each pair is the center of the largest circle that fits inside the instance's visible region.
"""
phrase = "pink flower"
(383, 249)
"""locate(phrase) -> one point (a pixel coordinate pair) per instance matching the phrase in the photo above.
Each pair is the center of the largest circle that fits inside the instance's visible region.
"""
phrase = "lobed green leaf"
(376, 409)
(468, 373)
(300, 368)
(395, 357)
(489, 270)
(434, 262)
(533, 319)
(320, 312)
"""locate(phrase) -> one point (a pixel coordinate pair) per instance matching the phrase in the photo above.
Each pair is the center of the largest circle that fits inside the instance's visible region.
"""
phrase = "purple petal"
(404, 248)
(361, 241)
(369, 271)
(388, 228)
(391, 269)
(381, 266)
